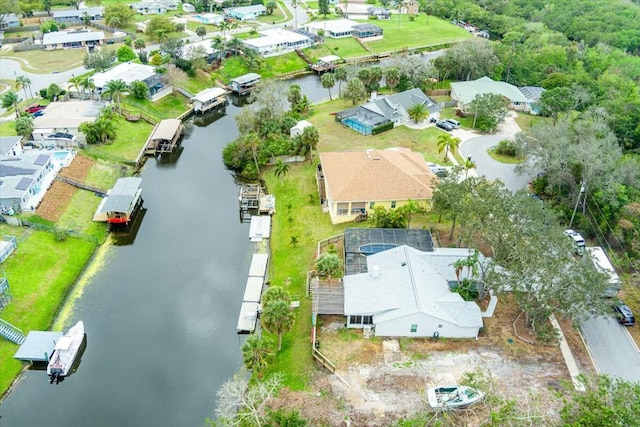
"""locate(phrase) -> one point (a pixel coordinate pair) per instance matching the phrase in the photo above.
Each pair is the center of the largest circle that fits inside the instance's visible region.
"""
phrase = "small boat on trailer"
(453, 397)
(65, 352)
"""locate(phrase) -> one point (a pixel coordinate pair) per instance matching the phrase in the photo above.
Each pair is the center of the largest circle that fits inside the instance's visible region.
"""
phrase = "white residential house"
(129, 72)
(149, 8)
(10, 145)
(246, 13)
(72, 40)
(334, 29)
(66, 117)
(407, 293)
(78, 16)
(465, 92)
(299, 128)
(209, 18)
(277, 41)
(24, 179)
(188, 8)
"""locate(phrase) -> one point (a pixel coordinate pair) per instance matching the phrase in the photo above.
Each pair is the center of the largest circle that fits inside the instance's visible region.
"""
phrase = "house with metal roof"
(246, 13)
(465, 92)
(24, 179)
(335, 29)
(277, 41)
(128, 72)
(242, 84)
(78, 16)
(207, 99)
(407, 293)
(353, 183)
(72, 39)
(385, 110)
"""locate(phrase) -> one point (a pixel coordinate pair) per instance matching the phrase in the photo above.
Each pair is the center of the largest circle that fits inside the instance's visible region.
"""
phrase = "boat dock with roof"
(248, 317)
(242, 85)
(122, 202)
(164, 138)
(208, 99)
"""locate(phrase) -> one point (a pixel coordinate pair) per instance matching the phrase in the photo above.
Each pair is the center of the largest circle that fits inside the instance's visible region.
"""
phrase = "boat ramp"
(164, 138)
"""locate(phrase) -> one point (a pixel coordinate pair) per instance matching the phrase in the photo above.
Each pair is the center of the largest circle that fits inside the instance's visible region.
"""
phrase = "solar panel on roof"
(42, 159)
(24, 183)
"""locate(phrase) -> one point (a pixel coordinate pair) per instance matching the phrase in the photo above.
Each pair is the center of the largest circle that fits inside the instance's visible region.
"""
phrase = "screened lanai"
(360, 242)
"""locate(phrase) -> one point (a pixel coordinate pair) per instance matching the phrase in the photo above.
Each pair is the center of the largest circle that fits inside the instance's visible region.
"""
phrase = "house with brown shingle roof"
(352, 183)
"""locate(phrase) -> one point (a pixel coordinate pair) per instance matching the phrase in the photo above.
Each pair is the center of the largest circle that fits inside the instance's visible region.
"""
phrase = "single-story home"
(65, 117)
(407, 293)
(386, 109)
(379, 13)
(367, 31)
(24, 179)
(9, 20)
(10, 145)
(277, 41)
(128, 72)
(246, 13)
(77, 16)
(465, 92)
(72, 39)
(201, 48)
(352, 183)
(298, 129)
(334, 29)
(149, 8)
(209, 18)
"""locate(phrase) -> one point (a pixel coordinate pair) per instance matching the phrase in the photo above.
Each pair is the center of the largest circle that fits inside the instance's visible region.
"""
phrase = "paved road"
(612, 348)
(10, 69)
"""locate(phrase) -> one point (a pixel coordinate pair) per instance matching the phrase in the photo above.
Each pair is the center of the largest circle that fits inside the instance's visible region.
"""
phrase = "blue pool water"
(374, 248)
(357, 126)
(60, 155)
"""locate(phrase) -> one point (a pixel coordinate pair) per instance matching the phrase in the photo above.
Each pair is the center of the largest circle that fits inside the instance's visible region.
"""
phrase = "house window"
(393, 204)
(414, 328)
(439, 326)
(367, 320)
(355, 320)
(343, 208)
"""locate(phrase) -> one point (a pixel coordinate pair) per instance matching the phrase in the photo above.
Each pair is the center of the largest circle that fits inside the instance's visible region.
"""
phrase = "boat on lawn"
(65, 352)
(453, 397)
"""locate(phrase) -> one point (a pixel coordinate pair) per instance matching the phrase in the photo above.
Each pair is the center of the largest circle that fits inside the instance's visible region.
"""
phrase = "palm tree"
(257, 353)
(418, 112)
(24, 125)
(275, 293)
(468, 164)
(139, 44)
(11, 100)
(447, 142)
(114, 89)
(328, 81)
(219, 44)
(75, 82)
(278, 318)
(392, 78)
(224, 26)
(87, 84)
(309, 141)
(281, 169)
(24, 82)
(328, 264)
(235, 45)
(341, 76)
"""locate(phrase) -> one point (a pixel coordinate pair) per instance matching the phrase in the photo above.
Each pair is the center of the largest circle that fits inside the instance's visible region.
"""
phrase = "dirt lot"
(59, 194)
(380, 381)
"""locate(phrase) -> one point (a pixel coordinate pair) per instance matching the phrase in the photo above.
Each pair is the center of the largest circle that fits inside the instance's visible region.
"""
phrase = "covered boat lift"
(124, 199)
(260, 228)
(208, 99)
(248, 317)
(242, 85)
(165, 137)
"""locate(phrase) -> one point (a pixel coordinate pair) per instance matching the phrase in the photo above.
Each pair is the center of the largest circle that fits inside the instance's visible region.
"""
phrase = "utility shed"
(259, 265)
(123, 200)
(260, 228)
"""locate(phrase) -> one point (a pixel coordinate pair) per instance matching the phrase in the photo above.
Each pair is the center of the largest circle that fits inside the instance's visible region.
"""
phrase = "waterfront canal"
(161, 312)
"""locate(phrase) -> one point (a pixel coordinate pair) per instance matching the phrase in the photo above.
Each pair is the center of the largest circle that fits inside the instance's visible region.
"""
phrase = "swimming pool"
(357, 126)
(374, 248)
(60, 155)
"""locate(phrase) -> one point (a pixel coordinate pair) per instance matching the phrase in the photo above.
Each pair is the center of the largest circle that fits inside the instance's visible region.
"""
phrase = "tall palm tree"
(219, 44)
(257, 353)
(24, 82)
(281, 169)
(224, 26)
(341, 76)
(235, 45)
(11, 100)
(114, 90)
(86, 84)
(328, 81)
(275, 293)
(309, 141)
(75, 82)
(468, 164)
(278, 318)
(447, 143)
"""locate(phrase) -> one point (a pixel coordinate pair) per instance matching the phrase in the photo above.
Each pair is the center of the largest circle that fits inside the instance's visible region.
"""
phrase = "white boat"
(65, 352)
(453, 397)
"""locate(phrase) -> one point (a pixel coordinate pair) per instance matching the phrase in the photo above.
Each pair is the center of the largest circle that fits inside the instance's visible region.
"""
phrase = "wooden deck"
(327, 296)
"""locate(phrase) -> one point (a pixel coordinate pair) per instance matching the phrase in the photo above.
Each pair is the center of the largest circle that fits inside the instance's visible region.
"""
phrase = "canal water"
(161, 313)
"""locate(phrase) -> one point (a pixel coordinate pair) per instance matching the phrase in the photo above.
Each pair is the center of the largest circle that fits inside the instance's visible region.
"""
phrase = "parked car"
(439, 171)
(623, 313)
(454, 123)
(61, 135)
(577, 239)
(445, 126)
(35, 108)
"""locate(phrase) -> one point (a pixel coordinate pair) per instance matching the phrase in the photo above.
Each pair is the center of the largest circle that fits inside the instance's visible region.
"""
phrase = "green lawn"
(41, 272)
(277, 15)
(525, 121)
(333, 134)
(8, 128)
(504, 159)
(346, 47)
(402, 34)
(450, 113)
(130, 138)
(170, 106)
(274, 66)
(48, 61)
(201, 81)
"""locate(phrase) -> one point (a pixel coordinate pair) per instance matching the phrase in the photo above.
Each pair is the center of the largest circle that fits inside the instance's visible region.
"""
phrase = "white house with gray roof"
(72, 39)
(465, 92)
(78, 16)
(10, 145)
(406, 293)
(24, 179)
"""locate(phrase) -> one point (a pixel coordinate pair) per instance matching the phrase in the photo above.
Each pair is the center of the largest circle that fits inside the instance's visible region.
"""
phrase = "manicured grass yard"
(274, 66)
(49, 61)
(8, 128)
(41, 271)
(333, 134)
(403, 34)
(347, 47)
(170, 106)
(130, 138)
(525, 121)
